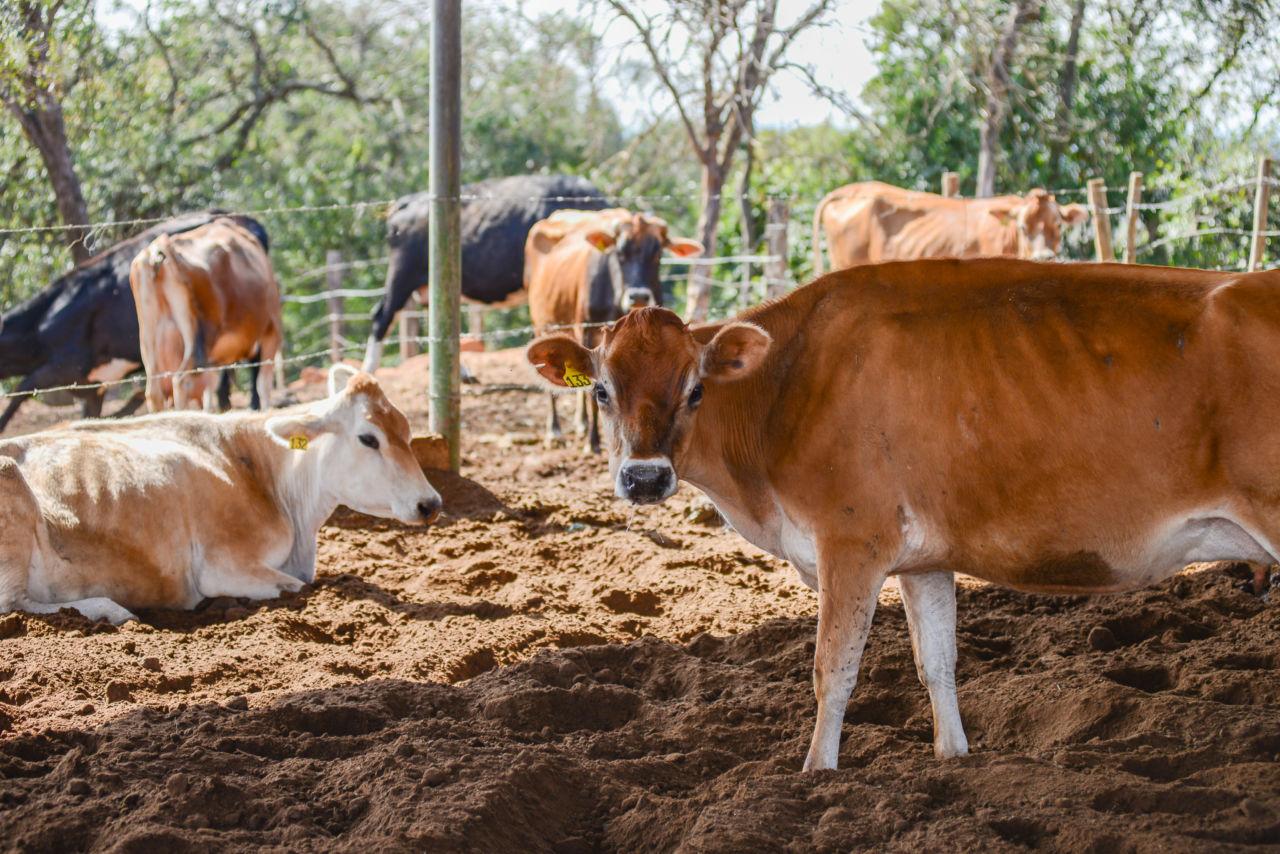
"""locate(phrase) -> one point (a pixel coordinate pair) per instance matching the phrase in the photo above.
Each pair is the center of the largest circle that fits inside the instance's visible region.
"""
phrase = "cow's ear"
(600, 238)
(735, 352)
(297, 430)
(1074, 214)
(339, 375)
(562, 362)
(683, 247)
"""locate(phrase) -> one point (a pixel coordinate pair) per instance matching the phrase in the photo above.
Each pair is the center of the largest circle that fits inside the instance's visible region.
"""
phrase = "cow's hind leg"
(930, 602)
(253, 581)
(20, 526)
(553, 420)
(846, 605)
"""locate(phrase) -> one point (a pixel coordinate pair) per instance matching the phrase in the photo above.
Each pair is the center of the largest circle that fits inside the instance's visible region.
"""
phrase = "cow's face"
(1041, 222)
(633, 249)
(650, 377)
(362, 443)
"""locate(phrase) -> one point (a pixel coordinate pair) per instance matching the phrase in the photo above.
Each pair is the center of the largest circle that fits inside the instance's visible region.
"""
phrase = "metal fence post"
(444, 245)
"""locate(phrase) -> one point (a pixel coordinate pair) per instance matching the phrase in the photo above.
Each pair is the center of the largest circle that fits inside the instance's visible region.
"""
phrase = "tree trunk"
(1066, 96)
(998, 95)
(699, 295)
(43, 125)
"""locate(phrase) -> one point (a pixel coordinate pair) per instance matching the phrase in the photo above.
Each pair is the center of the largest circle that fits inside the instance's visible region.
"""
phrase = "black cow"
(494, 228)
(83, 328)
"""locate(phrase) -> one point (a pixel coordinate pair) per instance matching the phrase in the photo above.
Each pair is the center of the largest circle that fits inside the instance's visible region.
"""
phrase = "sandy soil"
(550, 670)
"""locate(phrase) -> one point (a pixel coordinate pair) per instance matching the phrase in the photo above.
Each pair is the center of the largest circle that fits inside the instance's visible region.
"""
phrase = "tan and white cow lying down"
(1058, 428)
(165, 510)
(872, 222)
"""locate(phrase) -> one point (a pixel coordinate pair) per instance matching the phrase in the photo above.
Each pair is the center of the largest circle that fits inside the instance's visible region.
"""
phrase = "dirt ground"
(550, 670)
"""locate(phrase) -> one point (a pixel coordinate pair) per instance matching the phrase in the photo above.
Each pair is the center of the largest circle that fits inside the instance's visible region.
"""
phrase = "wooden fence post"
(1261, 199)
(1101, 219)
(408, 333)
(333, 277)
(1131, 218)
(777, 274)
(950, 184)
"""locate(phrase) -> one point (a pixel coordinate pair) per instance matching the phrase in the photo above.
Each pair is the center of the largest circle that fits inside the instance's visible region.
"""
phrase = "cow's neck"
(294, 479)
(728, 455)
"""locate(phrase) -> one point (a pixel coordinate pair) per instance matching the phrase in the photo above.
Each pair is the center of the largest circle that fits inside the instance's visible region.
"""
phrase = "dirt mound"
(550, 670)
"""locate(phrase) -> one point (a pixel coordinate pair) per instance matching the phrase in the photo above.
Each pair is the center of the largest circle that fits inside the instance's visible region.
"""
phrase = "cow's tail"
(817, 232)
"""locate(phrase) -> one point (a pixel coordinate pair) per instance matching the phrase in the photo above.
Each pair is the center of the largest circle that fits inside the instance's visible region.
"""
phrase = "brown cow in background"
(872, 222)
(205, 297)
(584, 267)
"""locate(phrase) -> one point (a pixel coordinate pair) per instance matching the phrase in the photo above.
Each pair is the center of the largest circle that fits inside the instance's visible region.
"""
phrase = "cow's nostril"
(430, 508)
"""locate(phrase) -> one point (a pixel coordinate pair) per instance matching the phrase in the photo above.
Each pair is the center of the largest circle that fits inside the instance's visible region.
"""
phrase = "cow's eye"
(602, 396)
(369, 440)
(695, 396)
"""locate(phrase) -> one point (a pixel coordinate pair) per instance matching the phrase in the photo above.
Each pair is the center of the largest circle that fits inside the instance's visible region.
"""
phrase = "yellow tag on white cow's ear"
(574, 378)
(298, 443)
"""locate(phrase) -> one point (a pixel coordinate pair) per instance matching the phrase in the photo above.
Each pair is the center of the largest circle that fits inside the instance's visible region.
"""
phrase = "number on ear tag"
(574, 378)
(298, 443)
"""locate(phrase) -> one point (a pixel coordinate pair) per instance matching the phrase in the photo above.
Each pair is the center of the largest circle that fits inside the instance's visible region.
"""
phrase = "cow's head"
(360, 443)
(650, 377)
(1040, 221)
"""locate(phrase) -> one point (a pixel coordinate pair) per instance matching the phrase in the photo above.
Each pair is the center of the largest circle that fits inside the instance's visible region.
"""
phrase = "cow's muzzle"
(646, 481)
(636, 298)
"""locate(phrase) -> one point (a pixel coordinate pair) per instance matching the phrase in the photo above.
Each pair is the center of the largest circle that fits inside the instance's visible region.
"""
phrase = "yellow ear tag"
(298, 443)
(574, 378)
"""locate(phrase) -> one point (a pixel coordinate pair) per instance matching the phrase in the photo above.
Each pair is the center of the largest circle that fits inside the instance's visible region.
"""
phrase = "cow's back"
(873, 222)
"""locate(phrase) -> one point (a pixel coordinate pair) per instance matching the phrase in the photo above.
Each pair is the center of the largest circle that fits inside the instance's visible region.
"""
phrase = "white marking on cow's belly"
(1196, 538)
(801, 548)
(116, 369)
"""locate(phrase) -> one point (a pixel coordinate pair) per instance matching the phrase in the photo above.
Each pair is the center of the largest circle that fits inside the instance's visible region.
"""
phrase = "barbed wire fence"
(737, 291)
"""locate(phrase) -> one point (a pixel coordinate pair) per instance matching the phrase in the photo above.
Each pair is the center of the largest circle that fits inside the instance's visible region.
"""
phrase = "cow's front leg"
(930, 602)
(846, 604)
(252, 581)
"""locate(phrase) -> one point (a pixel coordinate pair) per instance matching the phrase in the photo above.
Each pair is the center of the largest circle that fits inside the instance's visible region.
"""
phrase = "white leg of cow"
(251, 581)
(94, 608)
(266, 380)
(210, 394)
(846, 605)
(553, 421)
(372, 355)
(930, 602)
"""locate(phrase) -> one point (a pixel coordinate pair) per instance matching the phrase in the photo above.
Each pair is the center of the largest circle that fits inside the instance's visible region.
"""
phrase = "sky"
(836, 52)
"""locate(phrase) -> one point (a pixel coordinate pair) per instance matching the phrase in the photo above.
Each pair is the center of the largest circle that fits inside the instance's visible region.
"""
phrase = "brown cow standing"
(585, 267)
(204, 297)
(872, 222)
(1077, 428)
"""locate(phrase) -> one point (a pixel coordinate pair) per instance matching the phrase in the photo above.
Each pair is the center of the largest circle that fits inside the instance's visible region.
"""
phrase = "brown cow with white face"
(166, 510)
(872, 222)
(1058, 428)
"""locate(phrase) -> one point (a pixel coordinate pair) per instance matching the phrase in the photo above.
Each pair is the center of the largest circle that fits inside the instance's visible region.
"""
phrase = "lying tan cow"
(165, 510)
(872, 222)
(584, 267)
(204, 297)
(1065, 429)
